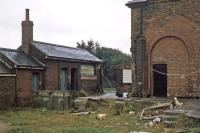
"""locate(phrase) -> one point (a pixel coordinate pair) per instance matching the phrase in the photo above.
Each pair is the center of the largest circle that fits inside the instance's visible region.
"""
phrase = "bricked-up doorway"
(74, 79)
(160, 80)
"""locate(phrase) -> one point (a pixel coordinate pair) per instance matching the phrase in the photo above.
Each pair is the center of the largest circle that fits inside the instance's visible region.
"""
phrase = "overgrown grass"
(44, 121)
(30, 120)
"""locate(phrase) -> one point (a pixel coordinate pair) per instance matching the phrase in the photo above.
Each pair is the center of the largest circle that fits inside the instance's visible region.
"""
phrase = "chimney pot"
(27, 14)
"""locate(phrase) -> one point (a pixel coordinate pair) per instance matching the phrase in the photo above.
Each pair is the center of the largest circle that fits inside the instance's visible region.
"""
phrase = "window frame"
(87, 68)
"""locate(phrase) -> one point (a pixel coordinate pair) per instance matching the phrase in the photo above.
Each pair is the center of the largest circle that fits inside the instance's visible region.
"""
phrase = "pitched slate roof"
(19, 58)
(63, 52)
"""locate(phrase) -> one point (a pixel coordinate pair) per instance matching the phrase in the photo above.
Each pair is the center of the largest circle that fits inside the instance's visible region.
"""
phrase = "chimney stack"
(27, 34)
(27, 14)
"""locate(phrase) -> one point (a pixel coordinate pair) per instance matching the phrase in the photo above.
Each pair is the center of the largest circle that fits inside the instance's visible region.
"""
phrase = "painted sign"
(127, 76)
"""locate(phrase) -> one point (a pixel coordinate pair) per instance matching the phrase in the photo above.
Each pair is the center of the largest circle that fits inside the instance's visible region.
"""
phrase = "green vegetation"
(40, 121)
(110, 57)
(107, 90)
(30, 120)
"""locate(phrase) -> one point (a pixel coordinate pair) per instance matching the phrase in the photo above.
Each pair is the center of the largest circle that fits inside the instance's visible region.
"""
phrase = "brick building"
(165, 40)
(44, 66)
(123, 75)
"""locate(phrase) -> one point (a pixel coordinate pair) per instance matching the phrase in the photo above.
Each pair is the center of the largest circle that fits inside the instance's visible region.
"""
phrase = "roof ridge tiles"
(58, 45)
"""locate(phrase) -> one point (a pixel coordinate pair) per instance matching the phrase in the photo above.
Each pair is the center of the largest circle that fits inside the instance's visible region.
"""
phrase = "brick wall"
(89, 85)
(7, 91)
(52, 80)
(51, 75)
(172, 32)
(24, 86)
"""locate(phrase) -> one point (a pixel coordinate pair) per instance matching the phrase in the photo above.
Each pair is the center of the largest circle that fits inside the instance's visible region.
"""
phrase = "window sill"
(89, 78)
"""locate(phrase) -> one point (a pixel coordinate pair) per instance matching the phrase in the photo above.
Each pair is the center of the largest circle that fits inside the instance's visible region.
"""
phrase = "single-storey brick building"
(165, 40)
(45, 66)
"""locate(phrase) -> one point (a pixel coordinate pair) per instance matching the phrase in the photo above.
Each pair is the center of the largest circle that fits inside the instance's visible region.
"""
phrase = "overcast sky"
(67, 21)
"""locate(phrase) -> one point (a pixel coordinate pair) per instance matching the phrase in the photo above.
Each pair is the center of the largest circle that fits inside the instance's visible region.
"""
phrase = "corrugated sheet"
(19, 58)
(64, 52)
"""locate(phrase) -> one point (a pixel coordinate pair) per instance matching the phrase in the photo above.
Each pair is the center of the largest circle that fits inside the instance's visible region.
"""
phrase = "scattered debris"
(44, 109)
(157, 120)
(152, 122)
(175, 103)
(83, 113)
(119, 94)
(80, 105)
(154, 112)
(132, 113)
(138, 132)
(101, 116)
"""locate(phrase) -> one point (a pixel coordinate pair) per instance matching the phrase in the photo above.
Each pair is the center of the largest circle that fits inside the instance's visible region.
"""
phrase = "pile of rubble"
(156, 114)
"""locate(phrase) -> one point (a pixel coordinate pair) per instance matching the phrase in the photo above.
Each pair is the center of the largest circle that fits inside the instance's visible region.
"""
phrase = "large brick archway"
(173, 52)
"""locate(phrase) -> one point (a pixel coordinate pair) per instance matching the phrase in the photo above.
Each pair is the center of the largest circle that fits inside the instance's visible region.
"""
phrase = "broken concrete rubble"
(88, 104)
(101, 116)
(132, 113)
(157, 111)
(175, 103)
(153, 122)
(83, 113)
(155, 114)
(154, 111)
(157, 120)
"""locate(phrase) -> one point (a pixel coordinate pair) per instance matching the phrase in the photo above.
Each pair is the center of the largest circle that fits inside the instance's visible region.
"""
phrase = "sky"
(66, 22)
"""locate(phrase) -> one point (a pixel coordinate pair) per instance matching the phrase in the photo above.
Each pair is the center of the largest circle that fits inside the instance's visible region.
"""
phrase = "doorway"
(35, 81)
(63, 79)
(160, 80)
(74, 79)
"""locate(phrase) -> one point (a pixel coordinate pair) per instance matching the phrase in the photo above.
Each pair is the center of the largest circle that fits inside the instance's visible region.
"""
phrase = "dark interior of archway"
(160, 80)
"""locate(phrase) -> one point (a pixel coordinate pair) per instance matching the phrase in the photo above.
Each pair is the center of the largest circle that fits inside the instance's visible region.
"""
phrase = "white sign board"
(127, 76)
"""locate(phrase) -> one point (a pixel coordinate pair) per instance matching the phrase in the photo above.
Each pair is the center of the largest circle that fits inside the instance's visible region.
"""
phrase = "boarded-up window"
(87, 70)
(127, 76)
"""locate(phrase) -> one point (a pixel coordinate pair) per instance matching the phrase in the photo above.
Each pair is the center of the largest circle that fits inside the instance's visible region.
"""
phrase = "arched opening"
(169, 62)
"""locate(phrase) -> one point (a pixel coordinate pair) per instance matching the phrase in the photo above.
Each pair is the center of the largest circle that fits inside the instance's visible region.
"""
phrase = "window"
(87, 70)
(35, 81)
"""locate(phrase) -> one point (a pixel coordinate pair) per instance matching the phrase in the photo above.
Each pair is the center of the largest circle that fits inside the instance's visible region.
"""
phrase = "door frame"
(66, 78)
(74, 79)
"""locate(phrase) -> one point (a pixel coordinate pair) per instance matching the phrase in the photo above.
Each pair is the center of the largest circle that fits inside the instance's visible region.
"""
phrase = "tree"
(90, 46)
(110, 57)
(81, 45)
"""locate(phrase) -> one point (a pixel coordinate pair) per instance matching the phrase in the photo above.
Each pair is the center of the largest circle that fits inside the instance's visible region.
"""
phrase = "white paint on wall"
(127, 76)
